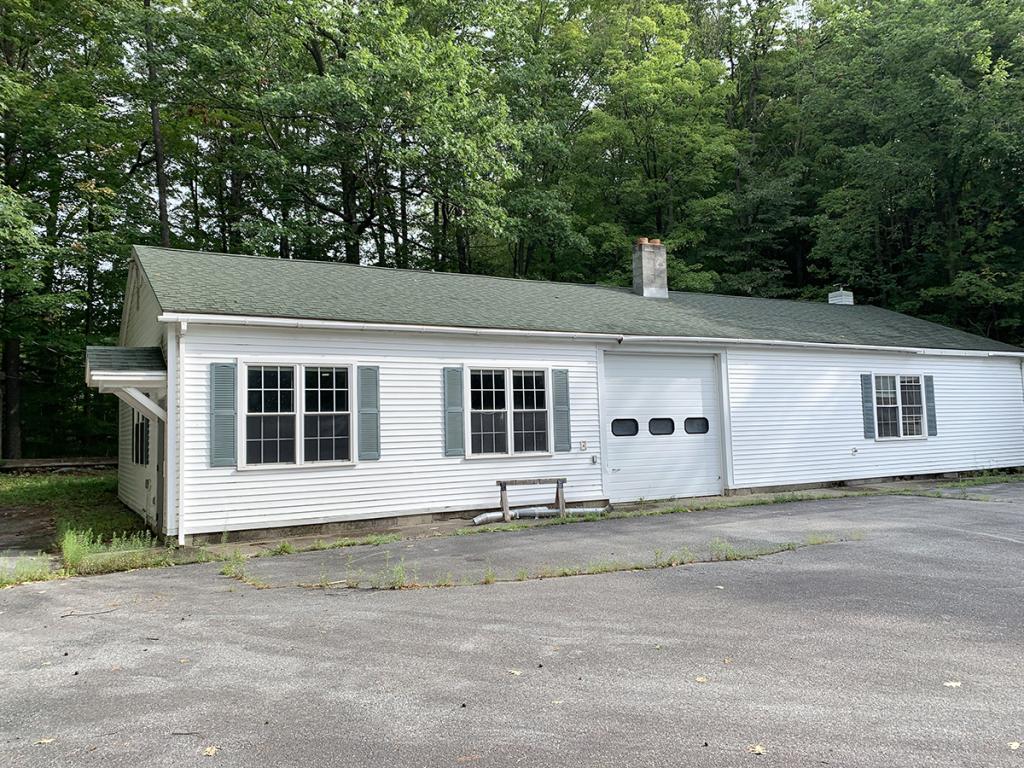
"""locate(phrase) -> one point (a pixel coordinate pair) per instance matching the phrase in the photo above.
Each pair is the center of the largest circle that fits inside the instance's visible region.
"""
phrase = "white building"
(263, 393)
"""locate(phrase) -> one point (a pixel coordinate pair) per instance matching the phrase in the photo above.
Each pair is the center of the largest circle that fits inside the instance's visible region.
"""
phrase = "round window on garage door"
(661, 426)
(625, 427)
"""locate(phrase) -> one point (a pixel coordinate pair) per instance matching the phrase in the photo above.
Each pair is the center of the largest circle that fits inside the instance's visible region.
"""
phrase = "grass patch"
(84, 552)
(283, 548)
(77, 502)
(722, 551)
(393, 577)
(26, 569)
(985, 478)
(370, 540)
(234, 567)
(814, 539)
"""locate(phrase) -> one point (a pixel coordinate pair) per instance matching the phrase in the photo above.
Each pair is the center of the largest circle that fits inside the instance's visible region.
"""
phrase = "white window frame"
(899, 406)
(353, 414)
(467, 411)
(299, 368)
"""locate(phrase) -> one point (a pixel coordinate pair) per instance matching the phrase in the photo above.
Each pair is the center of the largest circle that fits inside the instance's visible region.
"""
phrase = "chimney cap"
(641, 241)
(654, 241)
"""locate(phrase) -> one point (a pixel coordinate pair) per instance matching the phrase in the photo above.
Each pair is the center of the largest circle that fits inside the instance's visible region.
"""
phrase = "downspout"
(172, 519)
(179, 464)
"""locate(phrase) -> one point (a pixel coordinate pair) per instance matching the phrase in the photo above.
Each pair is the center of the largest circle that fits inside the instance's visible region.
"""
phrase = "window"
(493, 393)
(326, 434)
(661, 426)
(529, 412)
(140, 439)
(625, 427)
(270, 415)
(899, 407)
(696, 425)
(488, 418)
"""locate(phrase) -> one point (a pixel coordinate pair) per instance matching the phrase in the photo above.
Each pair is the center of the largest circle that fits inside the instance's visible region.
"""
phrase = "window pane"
(661, 426)
(529, 417)
(488, 432)
(252, 452)
(327, 437)
(912, 419)
(270, 451)
(885, 390)
(488, 420)
(888, 421)
(696, 425)
(326, 390)
(270, 439)
(530, 431)
(625, 427)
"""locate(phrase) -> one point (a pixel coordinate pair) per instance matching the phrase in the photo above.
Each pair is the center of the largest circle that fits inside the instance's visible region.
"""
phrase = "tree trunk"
(284, 245)
(158, 139)
(11, 366)
(349, 208)
(462, 248)
(402, 251)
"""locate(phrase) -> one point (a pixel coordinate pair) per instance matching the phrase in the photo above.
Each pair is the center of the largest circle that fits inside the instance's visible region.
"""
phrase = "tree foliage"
(777, 148)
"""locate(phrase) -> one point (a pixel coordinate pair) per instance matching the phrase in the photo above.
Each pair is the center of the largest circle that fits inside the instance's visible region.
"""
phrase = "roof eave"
(185, 318)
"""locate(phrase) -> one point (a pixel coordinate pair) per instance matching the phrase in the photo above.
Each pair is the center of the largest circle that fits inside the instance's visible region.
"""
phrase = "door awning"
(129, 373)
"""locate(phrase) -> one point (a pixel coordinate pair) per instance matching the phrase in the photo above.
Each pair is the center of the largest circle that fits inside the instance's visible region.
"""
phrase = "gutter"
(284, 322)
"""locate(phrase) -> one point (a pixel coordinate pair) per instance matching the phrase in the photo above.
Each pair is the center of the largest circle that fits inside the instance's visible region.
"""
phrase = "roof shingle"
(125, 359)
(214, 283)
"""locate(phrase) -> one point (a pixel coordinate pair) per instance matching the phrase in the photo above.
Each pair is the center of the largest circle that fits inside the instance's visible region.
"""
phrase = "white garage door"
(662, 427)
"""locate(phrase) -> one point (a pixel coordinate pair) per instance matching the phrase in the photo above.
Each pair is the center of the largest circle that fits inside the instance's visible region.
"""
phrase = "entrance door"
(662, 427)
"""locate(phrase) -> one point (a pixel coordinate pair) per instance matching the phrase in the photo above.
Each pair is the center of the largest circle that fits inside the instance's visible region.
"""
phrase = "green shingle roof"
(125, 359)
(215, 283)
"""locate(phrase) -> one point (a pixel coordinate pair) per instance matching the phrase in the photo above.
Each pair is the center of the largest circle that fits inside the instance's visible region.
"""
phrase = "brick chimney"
(650, 278)
(840, 297)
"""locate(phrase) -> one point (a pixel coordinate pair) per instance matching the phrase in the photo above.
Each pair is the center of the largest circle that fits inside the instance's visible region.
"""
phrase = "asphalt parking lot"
(900, 644)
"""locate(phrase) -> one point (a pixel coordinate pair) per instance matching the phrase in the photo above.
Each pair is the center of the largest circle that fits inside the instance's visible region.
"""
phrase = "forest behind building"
(779, 149)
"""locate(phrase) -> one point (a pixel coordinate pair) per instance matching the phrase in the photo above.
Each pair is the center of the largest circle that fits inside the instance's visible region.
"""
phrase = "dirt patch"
(26, 530)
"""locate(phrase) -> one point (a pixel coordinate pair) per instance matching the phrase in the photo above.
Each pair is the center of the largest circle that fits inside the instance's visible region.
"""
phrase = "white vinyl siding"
(412, 476)
(796, 416)
(131, 477)
(139, 325)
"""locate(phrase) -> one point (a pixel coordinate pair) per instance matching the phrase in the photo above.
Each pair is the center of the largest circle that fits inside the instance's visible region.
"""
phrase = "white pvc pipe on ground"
(534, 513)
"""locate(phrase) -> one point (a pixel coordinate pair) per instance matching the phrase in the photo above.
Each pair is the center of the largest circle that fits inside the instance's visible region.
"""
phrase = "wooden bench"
(559, 482)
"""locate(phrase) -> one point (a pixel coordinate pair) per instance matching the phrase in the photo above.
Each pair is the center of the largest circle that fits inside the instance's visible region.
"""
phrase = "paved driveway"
(901, 647)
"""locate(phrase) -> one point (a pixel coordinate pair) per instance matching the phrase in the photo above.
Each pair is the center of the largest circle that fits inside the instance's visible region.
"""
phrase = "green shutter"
(223, 426)
(454, 425)
(929, 404)
(560, 415)
(867, 404)
(369, 412)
